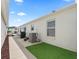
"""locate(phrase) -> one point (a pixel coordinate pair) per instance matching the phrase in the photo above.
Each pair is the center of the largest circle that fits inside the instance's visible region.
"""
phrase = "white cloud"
(21, 13)
(19, 1)
(67, 0)
(12, 12)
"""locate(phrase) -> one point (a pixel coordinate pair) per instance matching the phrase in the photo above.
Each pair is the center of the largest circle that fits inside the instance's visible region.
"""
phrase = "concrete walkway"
(24, 43)
(15, 51)
(17, 48)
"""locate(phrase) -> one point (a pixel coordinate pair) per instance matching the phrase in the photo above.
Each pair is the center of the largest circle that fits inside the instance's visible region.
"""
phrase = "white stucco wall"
(3, 31)
(66, 28)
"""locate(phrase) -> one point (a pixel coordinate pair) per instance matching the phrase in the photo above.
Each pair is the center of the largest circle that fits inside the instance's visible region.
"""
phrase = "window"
(51, 24)
(32, 27)
(51, 28)
(24, 29)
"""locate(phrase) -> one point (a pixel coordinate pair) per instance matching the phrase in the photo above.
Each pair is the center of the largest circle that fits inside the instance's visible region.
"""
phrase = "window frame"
(32, 27)
(51, 28)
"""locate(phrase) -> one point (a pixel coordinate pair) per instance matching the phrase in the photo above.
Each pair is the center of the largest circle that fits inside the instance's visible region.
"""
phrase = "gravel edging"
(5, 49)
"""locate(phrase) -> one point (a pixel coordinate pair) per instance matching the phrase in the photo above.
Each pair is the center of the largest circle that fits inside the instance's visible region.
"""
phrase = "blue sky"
(23, 11)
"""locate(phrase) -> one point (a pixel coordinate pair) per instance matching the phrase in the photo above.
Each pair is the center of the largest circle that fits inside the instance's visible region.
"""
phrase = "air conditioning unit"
(33, 37)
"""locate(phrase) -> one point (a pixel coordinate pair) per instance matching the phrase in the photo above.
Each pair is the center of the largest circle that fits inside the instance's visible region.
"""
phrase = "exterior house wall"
(5, 10)
(18, 30)
(65, 29)
(4, 20)
(3, 32)
(21, 28)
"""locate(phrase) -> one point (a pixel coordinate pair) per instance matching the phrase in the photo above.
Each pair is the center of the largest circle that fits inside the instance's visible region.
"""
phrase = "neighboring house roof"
(52, 13)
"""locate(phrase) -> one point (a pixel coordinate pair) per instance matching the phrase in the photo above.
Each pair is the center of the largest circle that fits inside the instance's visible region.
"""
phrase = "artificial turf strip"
(47, 51)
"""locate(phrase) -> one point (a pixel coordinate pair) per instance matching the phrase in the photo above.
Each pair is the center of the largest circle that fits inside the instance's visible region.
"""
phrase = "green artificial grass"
(47, 51)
